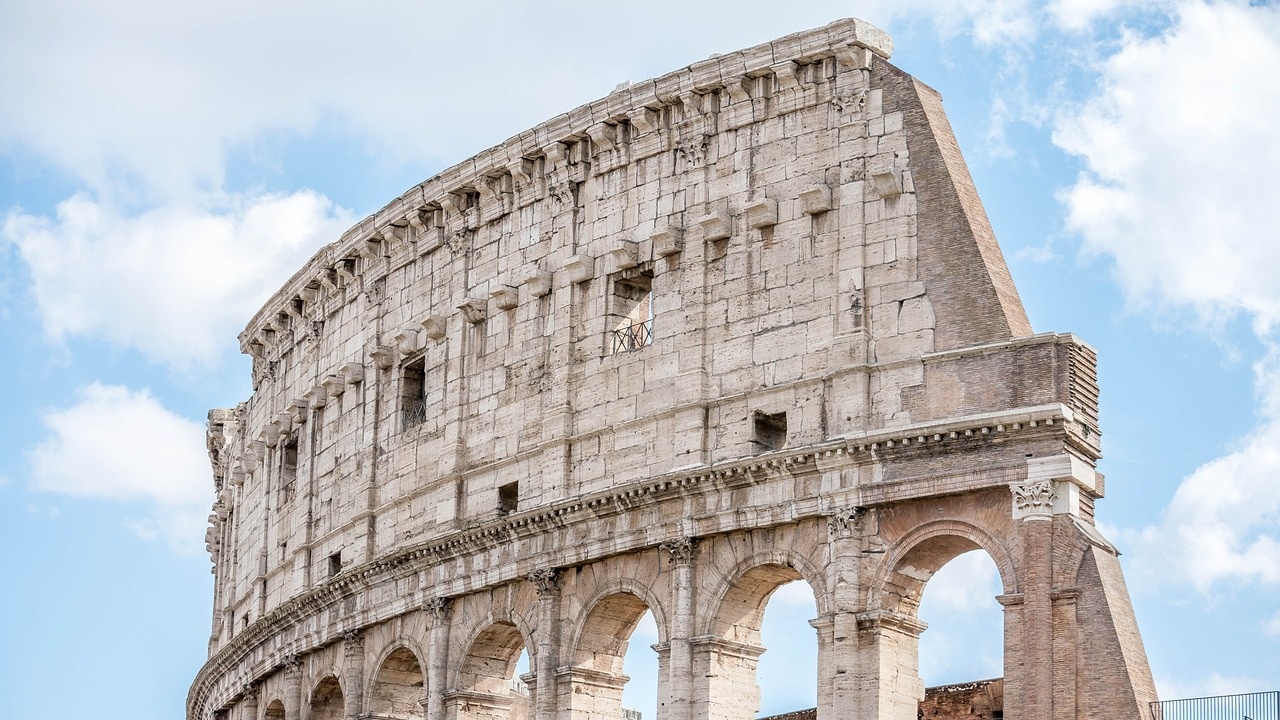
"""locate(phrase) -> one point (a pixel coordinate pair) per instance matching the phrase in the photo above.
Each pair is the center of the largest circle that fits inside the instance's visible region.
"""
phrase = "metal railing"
(1247, 706)
(631, 337)
(412, 414)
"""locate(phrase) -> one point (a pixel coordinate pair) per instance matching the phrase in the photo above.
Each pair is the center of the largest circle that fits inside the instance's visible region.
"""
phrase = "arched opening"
(487, 688)
(788, 670)
(953, 582)
(602, 655)
(397, 688)
(326, 700)
(640, 664)
(274, 711)
(741, 684)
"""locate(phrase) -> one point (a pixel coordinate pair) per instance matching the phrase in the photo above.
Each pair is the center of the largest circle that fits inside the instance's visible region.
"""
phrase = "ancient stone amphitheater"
(743, 324)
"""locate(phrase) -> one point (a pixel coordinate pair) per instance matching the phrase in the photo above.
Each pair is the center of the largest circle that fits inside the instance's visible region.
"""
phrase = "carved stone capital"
(249, 693)
(438, 607)
(293, 667)
(547, 581)
(353, 642)
(682, 550)
(1033, 500)
(846, 522)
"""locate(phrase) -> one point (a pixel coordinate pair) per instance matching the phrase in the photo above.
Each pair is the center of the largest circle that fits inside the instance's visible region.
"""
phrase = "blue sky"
(164, 167)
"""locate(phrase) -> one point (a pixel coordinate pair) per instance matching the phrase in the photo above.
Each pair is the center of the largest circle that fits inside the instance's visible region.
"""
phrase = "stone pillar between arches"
(590, 694)
(727, 673)
(886, 666)
(293, 689)
(825, 628)
(677, 692)
(438, 661)
(353, 674)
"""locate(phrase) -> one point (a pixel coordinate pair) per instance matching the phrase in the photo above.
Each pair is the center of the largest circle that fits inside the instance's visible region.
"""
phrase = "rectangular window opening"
(335, 564)
(508, 497)
(413, 390)
(769, 431)
(288, 470)
(631, 311)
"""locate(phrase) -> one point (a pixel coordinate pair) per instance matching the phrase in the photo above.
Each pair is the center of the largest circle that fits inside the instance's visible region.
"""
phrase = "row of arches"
(600, 607)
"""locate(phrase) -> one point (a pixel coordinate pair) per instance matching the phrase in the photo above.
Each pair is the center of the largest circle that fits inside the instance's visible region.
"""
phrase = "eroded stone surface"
(740, 325)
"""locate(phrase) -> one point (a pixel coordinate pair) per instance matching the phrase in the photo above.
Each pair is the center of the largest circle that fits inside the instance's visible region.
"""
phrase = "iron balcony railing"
(412, 414)
(1248, 706)
(631, 337)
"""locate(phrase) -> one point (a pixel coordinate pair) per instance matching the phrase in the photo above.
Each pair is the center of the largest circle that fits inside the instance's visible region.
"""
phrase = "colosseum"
(737, 326)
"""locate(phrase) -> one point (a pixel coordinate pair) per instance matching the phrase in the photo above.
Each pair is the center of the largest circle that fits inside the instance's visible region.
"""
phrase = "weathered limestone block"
(517, 408)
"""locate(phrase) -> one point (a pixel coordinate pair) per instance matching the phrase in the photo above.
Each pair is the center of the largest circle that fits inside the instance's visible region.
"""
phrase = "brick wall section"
(961, 265)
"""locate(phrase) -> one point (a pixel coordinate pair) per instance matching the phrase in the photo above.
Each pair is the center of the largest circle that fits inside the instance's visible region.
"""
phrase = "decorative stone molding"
(621, 257)
(352, 373)
(815, 199)
(434, 326)
(333, 385)
(384, 356)
(546, 580)
(682, 550)
(474, 309)
(538, 283)
(521, 170)
(505, 297)
(762, 213)
(1033, 501)
(850, 103)
(786, 74)
(888, 183)
(406, 341)
(667, 240)
(644, 120)
(579, 269)
(439, 608)
(716, 226)
(846, 522)
(353, 642)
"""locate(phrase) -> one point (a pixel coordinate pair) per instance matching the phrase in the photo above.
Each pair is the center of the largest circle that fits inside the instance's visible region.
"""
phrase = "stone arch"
(913, 559)
(274, 711)
(598, 649)
(398, 683)
(625, 586)
(482, 687)
(326, 701)
(745, 591)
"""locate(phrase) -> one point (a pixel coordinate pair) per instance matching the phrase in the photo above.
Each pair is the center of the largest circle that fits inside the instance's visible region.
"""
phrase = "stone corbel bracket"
(716, 226)
(474, 309)
(435, 326)
(667, 240)
(538, 283)
(352, 373)
(505, 297)
(623, 256)
(762, 213)
(406, 341)
(815, 199)
(579, 269)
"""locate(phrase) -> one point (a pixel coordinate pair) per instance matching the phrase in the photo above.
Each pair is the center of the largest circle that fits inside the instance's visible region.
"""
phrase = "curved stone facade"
(740, 325)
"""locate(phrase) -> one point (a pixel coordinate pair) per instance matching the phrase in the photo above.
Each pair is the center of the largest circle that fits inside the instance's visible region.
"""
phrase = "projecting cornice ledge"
(267, 633)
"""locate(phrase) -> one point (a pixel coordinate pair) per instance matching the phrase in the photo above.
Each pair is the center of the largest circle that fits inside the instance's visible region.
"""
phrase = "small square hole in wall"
(508, 497)
(769, 431)
(335, 564)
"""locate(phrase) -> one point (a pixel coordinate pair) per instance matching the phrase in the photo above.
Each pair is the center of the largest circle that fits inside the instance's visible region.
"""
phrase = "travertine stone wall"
(726, 329)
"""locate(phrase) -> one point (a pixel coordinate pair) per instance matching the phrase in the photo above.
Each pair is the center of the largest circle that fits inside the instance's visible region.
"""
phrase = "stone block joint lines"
(447, 458)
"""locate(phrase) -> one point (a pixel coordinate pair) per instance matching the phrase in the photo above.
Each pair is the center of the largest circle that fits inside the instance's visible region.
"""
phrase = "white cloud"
(159, 94)
(1222, 522)
(176, 283)
(122, 445)
(967, 583)
(1082, 14)
(1179, 150)
(1272, 626)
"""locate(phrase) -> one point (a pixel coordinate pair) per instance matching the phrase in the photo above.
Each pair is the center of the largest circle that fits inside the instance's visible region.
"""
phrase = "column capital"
(847, 522)
(293, 666)
(682, 550)
(1033, 500)
(546, 580)
(353, 642)
(438, 607)
(250, 693)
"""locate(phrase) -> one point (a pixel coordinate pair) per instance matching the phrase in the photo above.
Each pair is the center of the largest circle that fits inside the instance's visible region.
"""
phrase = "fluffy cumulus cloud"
(1179, 149)
(1178, 193)
(122, 445)
(175, 282)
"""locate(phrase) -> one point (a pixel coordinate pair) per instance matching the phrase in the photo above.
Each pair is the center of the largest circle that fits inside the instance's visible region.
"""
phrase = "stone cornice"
(847, 451)
(850, 42)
